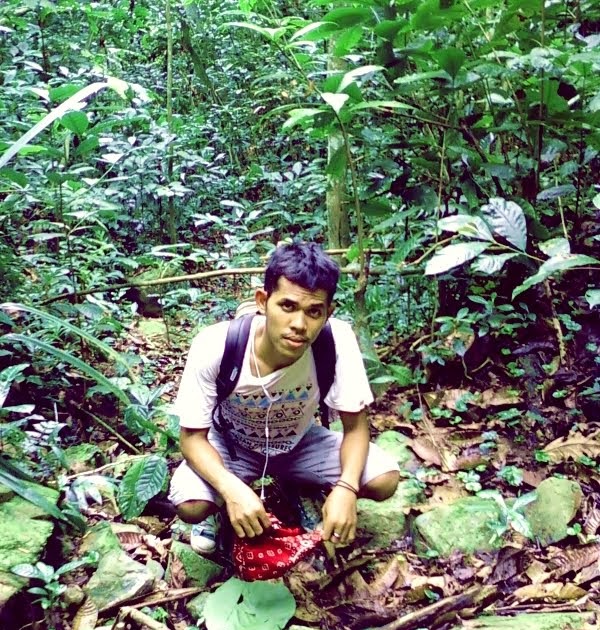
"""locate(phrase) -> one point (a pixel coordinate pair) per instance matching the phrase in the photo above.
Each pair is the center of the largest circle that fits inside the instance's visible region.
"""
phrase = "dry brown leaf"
(533, 478)
(177, 574)
(589, 573)
(426, 451)
(591, 511)
(537, 573)
(556, 591)
(574, 559)
(573, 446)
(385, 577)
(86, 616)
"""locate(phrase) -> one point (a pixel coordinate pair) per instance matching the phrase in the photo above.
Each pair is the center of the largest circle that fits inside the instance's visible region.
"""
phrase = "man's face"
(294, 319)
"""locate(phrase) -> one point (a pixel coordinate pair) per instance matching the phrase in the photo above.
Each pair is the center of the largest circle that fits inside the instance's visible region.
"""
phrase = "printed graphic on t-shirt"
(246, 414)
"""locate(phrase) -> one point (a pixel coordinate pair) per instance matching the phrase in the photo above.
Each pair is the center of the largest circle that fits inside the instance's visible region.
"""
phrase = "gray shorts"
(314, 460)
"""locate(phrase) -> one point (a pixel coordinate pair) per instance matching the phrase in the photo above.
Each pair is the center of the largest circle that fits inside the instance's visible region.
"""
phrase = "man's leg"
(316, 460)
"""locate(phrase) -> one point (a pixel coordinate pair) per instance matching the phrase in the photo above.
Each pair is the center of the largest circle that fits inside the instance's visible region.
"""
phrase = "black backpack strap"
(324, 354)
(229, 372)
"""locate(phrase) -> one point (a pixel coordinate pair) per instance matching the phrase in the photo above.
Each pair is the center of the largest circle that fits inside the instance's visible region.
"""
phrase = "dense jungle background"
(447, 152)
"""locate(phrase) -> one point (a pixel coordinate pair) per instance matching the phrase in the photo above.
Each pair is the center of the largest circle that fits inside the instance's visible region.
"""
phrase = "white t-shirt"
(289, 410)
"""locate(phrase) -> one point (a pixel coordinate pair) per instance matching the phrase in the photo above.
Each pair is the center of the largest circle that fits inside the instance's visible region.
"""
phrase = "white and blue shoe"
(203, 536)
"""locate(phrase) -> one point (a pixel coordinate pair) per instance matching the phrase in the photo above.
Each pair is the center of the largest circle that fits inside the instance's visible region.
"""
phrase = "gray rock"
(117, 579)
(385, 520)
(200, 571)
(459, 526)
(555, 507)
(532, 621)
(25, 530)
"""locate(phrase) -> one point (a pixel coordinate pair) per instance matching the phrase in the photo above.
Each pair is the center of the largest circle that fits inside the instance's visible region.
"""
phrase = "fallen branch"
(472, 597)
(158, 597)
(142, 620)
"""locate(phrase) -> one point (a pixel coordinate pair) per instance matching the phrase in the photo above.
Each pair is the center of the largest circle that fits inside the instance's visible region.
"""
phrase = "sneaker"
(203, 536)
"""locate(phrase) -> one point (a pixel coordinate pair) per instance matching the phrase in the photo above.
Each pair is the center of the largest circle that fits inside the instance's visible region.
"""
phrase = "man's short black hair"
(304, 264)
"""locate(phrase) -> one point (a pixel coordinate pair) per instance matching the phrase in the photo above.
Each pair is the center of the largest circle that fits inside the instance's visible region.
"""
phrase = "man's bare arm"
(245, 510)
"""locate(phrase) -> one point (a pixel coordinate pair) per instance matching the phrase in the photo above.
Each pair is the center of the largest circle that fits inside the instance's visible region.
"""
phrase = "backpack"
(231, 364)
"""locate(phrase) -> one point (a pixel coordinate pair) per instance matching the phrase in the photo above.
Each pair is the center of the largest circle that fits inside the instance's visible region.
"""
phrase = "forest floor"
(469, 428)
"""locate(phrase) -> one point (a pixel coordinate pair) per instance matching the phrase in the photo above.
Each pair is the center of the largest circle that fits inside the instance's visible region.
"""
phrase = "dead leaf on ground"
(537, 573)
(177, 574)
(573, 446)
(534, 478)
(452, 398)
(86, 616)
(589, 573)
(509, 563)
(574, 559)
(591, 512)
(556, 591)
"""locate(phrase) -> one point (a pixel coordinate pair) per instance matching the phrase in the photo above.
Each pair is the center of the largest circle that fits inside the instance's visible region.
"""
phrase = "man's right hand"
(245, 510)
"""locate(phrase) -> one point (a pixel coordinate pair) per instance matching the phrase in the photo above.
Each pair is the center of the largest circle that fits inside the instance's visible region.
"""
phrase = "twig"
(427, 616)
(562, 349)
(95, 471)
(141, 619)
(110, 429)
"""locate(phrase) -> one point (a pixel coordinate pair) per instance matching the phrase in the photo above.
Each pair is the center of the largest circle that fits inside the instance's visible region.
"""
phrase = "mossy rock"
(532, 621)
(200, 571)
(100, 538)
(396, 444)
(459, 526)
(555, 507)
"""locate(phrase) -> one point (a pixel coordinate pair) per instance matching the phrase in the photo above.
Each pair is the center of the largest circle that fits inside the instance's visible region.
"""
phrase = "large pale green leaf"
(379, 105)
(507, 220)
(77, 101)
(141, 482)
(352, 75)
(467, 226)
(66, 357)
(593, 297)
(108, 352)
(491, 264)
(453, 255)
(346, 17)
(238, 605)
(335, 101)
(272, 34)
(554, 265)
(556, 247)
(296, 116)
(7, 376)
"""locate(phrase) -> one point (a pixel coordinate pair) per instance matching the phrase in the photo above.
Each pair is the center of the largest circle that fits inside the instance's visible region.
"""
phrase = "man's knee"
(195, 511)
(382, 487)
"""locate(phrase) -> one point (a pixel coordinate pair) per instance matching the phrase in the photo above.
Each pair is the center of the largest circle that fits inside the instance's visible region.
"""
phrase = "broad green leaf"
(29, 492)
(76, 122)
(313, 32)
(7, 376)
(377, 207)
(346, 40)
(238, 605)
(507, 220)
(141, 482)
(421, 76)
(451, 60)
(351, 76)
(336, 166)
(14, 176)
(556, 191)
(272, 34)
(379, 105)
(453, 255)
(61, 323)
(65, 357)
(349, 16)
(555, 247)
(27, 571)
(555, 265)
(491, 264)
(467, 226)
(596, 201)
(594, 104)
(593, 297)
(335, 101)
(388, 29)
(63, 92)
(75, 102)
(298, 115)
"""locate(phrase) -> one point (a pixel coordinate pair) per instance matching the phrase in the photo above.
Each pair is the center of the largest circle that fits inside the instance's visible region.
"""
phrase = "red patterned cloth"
(273, 553)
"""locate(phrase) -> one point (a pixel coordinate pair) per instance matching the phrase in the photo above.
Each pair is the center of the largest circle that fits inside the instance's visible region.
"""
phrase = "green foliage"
(143, 481)
(51, 588)
(238, 605)
(511, 514)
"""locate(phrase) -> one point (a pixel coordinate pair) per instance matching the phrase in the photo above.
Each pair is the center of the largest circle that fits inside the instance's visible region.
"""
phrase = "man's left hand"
(339, 516)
